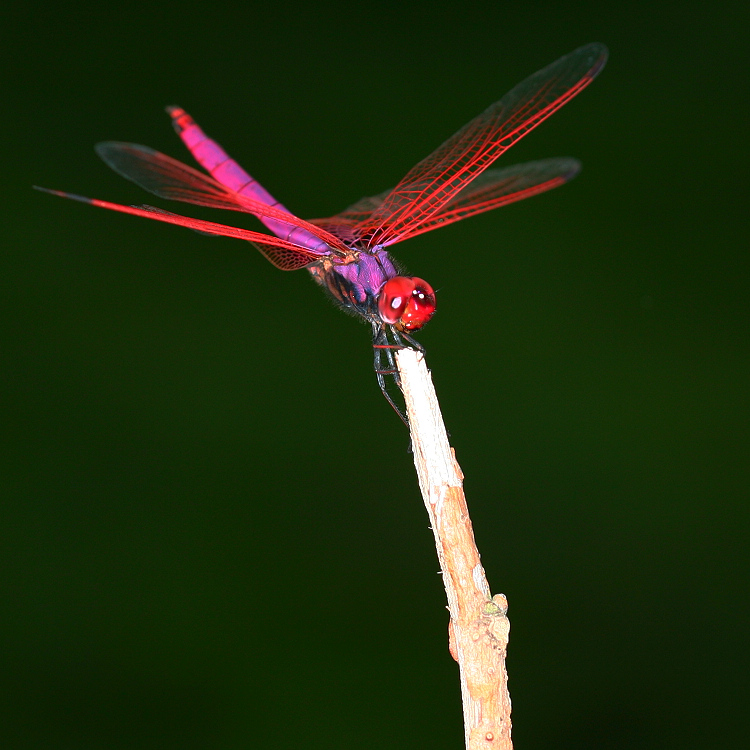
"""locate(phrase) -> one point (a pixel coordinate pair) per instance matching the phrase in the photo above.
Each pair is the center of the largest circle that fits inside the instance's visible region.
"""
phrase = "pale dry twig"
(478, 626)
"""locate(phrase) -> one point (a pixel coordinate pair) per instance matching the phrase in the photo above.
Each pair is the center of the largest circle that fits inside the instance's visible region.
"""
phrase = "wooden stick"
(478, 626)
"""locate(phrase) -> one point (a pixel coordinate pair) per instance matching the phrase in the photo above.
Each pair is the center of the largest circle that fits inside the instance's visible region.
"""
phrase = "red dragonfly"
(346, 254)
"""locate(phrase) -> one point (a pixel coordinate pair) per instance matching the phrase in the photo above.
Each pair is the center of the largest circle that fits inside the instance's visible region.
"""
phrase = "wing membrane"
(499, 187)
(168, 178)
(492, 189)
(432, 183)
(283, 254)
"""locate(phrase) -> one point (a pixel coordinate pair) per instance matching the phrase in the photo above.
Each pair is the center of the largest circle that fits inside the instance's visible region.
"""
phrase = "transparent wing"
(432, 183)
(498, 187)
(168, 178)
(283, 254)
(492, 189)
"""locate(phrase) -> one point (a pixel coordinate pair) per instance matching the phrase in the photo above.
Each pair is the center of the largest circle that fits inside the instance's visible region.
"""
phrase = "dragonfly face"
(346, 253)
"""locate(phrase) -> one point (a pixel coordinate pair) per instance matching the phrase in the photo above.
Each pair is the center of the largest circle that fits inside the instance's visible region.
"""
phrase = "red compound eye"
(406, 302)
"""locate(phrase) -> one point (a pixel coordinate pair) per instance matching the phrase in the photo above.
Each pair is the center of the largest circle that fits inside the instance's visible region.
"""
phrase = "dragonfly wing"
(346, 231)
(346, 225)
(498, 187)
(283, 254)
(168, 178)
(433, 182)
(491, 189)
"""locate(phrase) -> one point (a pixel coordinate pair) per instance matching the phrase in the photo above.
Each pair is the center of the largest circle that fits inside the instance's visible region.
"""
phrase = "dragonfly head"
(406, 302)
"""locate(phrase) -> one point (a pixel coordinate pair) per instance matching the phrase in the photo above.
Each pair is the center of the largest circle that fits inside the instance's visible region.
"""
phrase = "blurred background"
(212, 530)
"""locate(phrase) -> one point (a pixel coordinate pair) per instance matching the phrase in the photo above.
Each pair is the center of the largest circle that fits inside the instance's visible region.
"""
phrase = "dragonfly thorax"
(372, 287)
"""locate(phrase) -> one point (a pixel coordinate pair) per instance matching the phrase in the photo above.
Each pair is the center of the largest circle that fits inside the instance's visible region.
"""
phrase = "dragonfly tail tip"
(63, 194)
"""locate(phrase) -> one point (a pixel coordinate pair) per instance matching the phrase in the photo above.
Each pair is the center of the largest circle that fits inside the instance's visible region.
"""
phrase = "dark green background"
(212, 535)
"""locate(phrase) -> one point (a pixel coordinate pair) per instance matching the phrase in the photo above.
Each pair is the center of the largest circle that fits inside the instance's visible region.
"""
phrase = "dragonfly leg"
(411, 342)
(384, 362)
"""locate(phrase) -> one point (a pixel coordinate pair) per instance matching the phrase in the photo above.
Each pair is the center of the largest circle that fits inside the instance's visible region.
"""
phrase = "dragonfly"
(347, 254)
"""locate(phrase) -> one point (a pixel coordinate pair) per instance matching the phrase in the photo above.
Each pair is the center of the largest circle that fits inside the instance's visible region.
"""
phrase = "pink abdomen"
(212, 157)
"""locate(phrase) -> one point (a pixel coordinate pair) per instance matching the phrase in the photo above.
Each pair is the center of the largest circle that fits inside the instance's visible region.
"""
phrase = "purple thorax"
(368, 274)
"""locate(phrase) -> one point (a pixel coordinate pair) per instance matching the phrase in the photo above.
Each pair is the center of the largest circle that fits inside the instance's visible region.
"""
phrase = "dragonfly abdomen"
(212, 157)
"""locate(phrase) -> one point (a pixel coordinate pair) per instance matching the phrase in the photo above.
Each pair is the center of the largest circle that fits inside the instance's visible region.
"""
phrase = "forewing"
(283, 254)
(432, 183)
(168, 178)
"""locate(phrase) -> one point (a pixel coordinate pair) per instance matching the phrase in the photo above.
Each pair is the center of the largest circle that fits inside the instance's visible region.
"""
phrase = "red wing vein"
(433, 182)
(168, 178)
